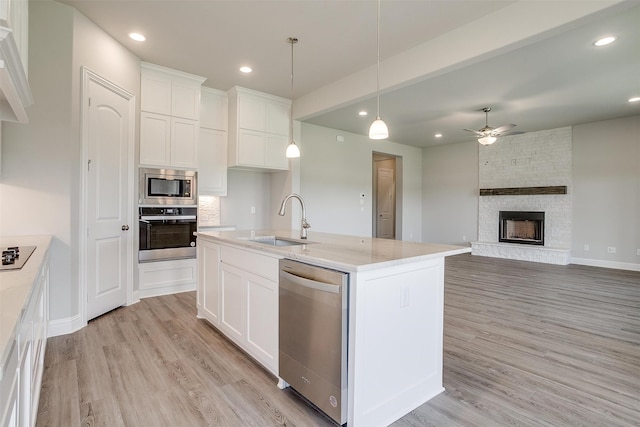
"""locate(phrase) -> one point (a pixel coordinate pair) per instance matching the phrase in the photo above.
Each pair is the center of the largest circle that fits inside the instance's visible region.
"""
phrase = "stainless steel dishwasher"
(313, 335)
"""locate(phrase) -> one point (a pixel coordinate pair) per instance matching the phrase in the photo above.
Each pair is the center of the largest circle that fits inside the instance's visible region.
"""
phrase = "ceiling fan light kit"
(378, 129)
(488, 135)
(292, 149)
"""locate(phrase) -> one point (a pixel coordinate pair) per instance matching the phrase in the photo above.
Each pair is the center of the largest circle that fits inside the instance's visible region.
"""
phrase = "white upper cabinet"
(170, 117)
(258, 130)
(214, 110)
(212, 145)
(15, 93)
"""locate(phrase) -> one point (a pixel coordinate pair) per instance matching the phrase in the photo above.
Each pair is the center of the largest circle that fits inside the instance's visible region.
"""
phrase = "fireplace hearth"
(521, 227)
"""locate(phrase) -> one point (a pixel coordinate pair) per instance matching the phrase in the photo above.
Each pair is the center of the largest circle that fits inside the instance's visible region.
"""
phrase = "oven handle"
(167, 217)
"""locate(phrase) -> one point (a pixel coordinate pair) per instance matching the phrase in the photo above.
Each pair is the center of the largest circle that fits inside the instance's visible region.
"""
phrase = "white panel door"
(275, 152)
(385, 215)
(251, 148)
(108, 204)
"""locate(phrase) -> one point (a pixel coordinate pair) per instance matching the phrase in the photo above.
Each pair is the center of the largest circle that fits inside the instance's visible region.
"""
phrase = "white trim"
(606, 264)
(64, 326)
(88, 76)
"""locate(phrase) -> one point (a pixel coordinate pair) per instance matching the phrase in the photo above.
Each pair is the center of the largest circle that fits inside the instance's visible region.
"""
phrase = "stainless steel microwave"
(167, 187)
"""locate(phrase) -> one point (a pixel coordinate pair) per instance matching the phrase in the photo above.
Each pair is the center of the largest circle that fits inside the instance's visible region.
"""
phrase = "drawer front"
(258, 264)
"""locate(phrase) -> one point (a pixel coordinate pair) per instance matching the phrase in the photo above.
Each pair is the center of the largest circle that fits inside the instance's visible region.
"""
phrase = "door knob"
(125, 227)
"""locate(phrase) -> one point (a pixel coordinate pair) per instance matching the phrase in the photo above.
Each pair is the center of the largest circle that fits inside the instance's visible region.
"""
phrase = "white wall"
(38, 157)
(41, 182)
(246, 189)
(606, 200)
(450, 193)
(333, 174)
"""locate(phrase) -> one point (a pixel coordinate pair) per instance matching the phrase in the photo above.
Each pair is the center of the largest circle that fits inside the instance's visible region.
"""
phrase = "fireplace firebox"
(521, 227)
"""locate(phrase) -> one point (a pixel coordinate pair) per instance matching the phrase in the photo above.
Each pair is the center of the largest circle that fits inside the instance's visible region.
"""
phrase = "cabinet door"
(185, 99)
(208, 281)
(155, 139)
(233, 295)
(184, 143)
(277, 118)
(251, 148)
(275, 156)
(214, 111)
(262, 320)
(212, 162)
(155, 92)
(251, 112)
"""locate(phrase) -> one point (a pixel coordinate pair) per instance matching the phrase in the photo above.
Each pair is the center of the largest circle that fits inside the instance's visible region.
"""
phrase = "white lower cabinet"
(166, 277)
(247, 294)
(208, 278)
(21, 372)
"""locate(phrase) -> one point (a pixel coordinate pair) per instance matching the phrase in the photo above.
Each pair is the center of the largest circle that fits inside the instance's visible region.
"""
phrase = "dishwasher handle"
(313, 284)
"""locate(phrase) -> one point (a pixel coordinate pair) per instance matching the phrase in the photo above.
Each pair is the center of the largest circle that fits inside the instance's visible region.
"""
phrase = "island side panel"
(396, 333)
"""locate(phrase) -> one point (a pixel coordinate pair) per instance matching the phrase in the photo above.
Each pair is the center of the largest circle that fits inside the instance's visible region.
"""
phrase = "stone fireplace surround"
(538, 160)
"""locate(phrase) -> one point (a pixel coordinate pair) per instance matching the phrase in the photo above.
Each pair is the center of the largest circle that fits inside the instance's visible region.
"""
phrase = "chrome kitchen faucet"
(305, 224)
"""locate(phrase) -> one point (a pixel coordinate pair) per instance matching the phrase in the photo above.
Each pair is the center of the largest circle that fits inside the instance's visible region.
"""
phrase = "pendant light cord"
(293, 41)
(378, 67)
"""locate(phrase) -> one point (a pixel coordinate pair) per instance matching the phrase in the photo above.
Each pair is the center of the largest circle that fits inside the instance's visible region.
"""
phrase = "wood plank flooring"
(525, 344)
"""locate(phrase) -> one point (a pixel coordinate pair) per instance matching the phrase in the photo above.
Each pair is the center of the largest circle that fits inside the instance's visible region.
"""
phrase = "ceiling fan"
(488, 135)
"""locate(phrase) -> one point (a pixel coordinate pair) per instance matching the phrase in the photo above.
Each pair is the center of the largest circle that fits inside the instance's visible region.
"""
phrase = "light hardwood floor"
(525, 344)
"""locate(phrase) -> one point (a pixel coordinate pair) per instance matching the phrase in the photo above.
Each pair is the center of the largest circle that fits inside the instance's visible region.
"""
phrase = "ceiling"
(532, 62)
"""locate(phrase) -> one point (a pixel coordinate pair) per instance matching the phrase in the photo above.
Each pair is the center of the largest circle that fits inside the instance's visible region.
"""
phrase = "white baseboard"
(166, 290)
(65, 326)
(606, 264)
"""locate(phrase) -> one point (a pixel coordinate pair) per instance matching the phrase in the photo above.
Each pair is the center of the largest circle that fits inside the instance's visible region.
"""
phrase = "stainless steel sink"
(275, 241)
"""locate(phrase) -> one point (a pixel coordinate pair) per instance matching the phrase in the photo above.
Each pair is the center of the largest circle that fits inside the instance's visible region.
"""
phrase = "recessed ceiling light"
(604, 41)
(634, 99)
(362, 113)
(245, 69)
(438, 135)
(137, 37)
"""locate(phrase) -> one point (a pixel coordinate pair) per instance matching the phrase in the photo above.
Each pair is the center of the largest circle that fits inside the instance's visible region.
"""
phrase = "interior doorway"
(385, 196)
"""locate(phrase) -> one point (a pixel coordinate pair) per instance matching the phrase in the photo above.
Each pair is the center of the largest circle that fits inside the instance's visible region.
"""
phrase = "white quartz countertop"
(16, 286)
(342, 252)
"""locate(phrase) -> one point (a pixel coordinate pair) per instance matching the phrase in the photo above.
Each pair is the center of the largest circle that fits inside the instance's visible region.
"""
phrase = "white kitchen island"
(396, 300)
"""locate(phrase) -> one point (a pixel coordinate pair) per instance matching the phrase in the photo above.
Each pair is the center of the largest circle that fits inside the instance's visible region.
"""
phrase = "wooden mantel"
(524, 191)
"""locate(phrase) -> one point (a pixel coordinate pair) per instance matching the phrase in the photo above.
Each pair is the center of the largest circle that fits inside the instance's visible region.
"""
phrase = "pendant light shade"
(378, 129)
(292, 149)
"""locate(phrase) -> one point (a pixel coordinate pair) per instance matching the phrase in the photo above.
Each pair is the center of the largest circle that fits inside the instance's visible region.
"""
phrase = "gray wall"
(40, 189)
(450, 193)
(606, 183)
(246, 189)
(333, 175)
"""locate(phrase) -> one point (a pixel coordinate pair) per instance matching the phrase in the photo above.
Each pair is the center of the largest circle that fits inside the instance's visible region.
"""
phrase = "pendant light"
(292, 150)
(378, 129)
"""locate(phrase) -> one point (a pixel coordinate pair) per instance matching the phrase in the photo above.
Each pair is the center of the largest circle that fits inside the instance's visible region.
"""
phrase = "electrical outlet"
(464, 237)
(586, 247)
(253, 209)
(638, 252)
(611, 249)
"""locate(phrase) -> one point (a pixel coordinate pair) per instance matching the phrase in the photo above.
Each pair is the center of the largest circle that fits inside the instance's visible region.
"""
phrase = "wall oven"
(167, 187)
(167, 233)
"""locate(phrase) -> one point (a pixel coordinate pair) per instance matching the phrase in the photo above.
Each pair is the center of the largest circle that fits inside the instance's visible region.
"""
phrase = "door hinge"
(88, 165)
(89, 101)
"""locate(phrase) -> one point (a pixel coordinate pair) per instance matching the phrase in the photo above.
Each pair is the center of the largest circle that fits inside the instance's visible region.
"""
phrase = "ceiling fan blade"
(515, 132)
(474, 131)
(499, 130)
